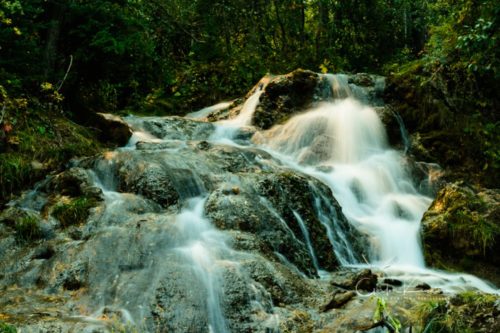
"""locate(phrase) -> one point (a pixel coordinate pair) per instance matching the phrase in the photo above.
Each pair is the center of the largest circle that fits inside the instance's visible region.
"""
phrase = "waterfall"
(405, 136)
(228, 129)
(348, 140)
(200, 114)
(343, 143)
(305, 233)
(198, 228)
(338, 84)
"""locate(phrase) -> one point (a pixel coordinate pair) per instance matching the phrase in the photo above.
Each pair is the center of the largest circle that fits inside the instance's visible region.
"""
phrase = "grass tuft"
(74, 211)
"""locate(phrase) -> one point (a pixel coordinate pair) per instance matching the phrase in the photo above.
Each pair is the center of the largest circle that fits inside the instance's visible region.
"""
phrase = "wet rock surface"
(360, 280)
(287, 95)
(174, 128)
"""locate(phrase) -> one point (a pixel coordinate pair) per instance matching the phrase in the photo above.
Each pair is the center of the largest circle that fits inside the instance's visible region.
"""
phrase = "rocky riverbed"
(185, 230)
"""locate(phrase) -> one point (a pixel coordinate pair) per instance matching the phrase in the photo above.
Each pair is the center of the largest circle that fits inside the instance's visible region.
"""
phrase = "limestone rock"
(339, 298)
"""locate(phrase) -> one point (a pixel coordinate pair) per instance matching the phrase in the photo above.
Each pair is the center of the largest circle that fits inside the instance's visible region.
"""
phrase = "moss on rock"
(71, 211)
(284, 96)
(455, 123)
(465, 312)
(38, 145)
(461, 230)
(26, 224)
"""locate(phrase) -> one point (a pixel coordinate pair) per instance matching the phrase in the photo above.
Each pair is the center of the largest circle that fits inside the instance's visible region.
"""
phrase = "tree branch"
(67, 72)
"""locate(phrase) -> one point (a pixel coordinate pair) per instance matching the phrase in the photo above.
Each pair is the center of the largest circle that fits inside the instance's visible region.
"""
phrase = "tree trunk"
(281, 25)
(54, 30)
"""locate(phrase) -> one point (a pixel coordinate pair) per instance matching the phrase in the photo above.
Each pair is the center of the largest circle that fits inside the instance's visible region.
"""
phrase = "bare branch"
(67, 72)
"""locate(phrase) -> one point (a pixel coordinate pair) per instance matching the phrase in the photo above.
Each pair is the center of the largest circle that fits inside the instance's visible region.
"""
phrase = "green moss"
(475, 299)
(465, 221)
(49, 142)
(74, 211)
(6, 328)
(465, 312)
(298, 322)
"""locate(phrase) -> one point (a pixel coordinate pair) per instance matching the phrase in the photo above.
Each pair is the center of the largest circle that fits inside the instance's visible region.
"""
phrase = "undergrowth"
(6, 328)
(35, 139)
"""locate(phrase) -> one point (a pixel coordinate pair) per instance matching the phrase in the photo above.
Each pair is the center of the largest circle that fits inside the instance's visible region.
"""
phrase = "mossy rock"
(73, 211)
(298, 322)
(74, 182)
(465, 312)
(457, 126)
(6, 328)
(39, 145)
(28, 226)
(16, 172)
(461, 230)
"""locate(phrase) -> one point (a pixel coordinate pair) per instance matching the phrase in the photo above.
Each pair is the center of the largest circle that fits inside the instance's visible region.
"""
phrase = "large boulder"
(284, 96)
(113, 128)
(461, 231)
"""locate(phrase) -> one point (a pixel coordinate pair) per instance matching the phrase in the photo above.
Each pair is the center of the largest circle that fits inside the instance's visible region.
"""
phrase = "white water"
(203, 113)
(305, 233)
(339, 85)
(204, 243)
(227, 129)
(366, 176)
(200, 243)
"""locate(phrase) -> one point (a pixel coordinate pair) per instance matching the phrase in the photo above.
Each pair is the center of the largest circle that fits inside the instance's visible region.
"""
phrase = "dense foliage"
(188, 54)
(450, 93)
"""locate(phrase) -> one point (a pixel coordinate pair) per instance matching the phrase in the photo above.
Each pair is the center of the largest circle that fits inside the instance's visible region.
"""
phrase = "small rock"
(203, 145)
(361, 79)
(422, 286)
(235, 190)
(384, 287)
(36, 165)
(338, 300)
(393, 282)
(355, 280)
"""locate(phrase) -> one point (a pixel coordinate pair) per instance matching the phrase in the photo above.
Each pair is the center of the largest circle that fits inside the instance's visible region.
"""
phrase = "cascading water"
(201, 250)
(366, 176)
(208, 110)
(228, 129)
(343, 143)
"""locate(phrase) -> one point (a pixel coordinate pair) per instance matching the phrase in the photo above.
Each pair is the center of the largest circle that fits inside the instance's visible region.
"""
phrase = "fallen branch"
(67, 72)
